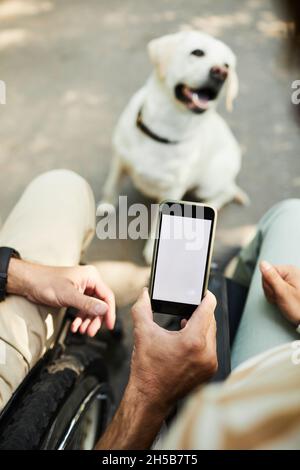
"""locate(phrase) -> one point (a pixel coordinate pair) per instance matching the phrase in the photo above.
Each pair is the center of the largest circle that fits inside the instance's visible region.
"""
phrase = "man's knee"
(292, 204)
(287, 211)
(60, 179)
(286, 207)
(54, 220)
(62, 188)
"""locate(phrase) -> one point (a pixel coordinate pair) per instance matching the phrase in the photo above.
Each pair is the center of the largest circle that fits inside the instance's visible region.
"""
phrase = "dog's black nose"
(218, 73)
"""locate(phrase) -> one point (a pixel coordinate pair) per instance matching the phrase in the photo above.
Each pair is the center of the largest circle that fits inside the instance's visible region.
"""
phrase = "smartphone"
(181, 257)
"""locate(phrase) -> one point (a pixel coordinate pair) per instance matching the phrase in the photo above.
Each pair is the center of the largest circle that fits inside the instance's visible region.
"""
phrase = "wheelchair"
(66, 401)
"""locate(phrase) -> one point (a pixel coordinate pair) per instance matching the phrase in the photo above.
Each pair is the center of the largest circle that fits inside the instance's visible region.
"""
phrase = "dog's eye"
(226, 66)
(198, 53)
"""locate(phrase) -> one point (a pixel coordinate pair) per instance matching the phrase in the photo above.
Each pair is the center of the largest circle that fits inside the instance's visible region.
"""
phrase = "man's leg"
(277, 241)
(51, 224)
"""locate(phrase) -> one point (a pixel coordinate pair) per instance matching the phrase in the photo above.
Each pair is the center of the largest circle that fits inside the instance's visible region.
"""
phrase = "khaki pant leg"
(52, 224)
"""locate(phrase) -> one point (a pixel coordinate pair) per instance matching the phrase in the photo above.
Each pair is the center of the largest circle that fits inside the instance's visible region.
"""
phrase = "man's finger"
(76, 324)
(105, 293)
(85, 304)
(110, 317)
(269, 293)
(204, 313)
(141, 310)
(183, 323)
(211, 335)
(283, 269)
(84, 326)
(272, 277)
(94, 327)
(286, 271)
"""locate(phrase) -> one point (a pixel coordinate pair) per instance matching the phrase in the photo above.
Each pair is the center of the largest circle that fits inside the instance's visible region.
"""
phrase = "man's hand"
(80, 287)
(281, 284)
(166, 365)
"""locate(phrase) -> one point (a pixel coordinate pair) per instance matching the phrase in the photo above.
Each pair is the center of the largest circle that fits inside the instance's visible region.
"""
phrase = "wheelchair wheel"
(67, 406)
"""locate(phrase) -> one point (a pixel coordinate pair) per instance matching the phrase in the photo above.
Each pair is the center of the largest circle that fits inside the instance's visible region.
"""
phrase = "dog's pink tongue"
(199, 102)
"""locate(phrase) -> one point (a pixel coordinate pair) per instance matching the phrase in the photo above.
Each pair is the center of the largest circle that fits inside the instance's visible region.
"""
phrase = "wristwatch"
(6, 254)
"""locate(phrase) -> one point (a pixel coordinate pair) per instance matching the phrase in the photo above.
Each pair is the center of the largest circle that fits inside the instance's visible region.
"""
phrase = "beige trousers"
(52, 224)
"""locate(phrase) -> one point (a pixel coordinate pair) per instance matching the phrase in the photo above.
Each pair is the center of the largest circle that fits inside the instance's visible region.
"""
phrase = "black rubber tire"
(46, 396)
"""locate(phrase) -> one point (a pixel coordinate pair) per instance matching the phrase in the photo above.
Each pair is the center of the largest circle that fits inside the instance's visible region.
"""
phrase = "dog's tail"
(241, 197)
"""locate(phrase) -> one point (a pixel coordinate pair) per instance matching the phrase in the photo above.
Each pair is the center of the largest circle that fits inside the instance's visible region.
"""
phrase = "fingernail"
(265, 265)
(100, 309)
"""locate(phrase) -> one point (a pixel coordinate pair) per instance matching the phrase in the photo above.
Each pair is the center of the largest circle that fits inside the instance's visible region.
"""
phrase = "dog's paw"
(105, 208)
(241, 197)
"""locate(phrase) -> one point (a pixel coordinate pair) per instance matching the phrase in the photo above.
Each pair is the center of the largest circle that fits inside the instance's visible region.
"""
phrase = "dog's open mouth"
(197, 100)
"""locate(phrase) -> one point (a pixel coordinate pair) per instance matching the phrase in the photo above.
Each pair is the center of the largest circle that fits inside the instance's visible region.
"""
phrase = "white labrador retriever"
(170, 139)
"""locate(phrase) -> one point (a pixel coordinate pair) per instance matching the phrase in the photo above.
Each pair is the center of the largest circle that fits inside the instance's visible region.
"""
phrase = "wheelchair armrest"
(217, 285)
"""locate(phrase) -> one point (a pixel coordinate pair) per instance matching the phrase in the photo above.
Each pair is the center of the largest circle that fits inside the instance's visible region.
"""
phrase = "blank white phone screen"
(181, 259)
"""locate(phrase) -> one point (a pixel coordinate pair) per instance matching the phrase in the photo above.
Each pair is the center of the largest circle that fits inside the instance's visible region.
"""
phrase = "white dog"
(170, 139)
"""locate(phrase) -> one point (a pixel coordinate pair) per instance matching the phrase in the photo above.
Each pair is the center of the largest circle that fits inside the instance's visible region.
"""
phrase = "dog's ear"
(160, 51)
(232, 88)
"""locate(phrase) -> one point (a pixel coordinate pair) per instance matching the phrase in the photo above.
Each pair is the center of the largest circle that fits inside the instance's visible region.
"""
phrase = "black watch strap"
(6, 254)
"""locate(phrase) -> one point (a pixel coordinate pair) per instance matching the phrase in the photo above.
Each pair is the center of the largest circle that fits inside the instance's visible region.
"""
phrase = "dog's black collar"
(140, 124)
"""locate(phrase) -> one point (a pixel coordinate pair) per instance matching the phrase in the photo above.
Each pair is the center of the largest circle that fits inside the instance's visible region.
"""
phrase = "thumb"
(141, 310)
(85, 304)
(272, 277)
(203, 316)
